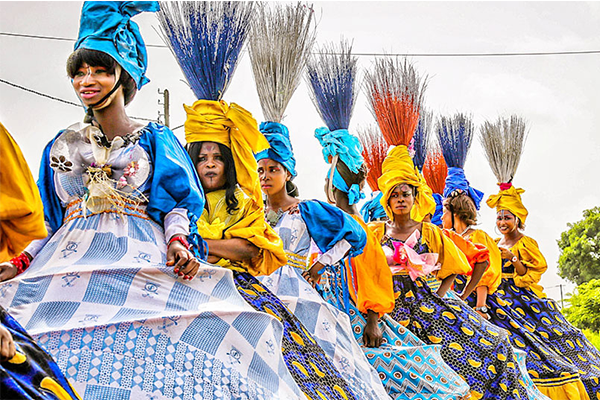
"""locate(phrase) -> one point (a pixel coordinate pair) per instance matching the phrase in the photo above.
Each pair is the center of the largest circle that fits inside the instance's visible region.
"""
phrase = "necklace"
(465, 231)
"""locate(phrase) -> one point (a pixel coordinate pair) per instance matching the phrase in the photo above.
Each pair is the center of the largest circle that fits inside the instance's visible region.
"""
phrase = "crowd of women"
(146, 269)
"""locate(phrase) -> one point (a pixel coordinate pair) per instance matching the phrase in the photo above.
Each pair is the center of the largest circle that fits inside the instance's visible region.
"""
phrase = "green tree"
(580, 249)
(584, 311)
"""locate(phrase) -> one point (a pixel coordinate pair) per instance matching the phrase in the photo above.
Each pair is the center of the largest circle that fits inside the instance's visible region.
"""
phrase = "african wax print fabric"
(330, 327)
(31, 373)
(560, 357)
(100, 299)
(312, 369)
(408, 368)
(477, 350)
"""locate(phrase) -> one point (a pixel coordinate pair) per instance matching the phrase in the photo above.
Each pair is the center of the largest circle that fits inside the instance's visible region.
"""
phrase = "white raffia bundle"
(280, 41)
(503, 142)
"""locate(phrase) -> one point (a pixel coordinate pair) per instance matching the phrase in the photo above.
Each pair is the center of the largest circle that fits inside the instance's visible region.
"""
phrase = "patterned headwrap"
(234, 127)
(281, 149)
(457, 181)
(509, 198)
(106, 26)
(398, 168)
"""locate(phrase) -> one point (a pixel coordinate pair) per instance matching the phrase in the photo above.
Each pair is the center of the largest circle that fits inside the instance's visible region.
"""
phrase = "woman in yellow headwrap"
(561, 361)
(423, 259)
(222, 140)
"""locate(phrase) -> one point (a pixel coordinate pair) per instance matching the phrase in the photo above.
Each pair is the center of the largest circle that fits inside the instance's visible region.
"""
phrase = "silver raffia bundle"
(503, 142)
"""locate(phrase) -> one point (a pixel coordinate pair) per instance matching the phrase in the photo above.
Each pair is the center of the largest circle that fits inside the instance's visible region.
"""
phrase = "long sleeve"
(335, 254)
(21, 210)
(374, 283)
(452, 260)
(528, 252)
(493, 274)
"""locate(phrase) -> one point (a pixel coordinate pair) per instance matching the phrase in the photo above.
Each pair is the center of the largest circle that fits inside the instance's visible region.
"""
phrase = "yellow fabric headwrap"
(234, 127)
(398, 168)
(510, 200)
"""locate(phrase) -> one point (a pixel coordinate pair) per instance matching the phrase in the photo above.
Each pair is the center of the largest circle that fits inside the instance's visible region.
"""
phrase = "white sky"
(558, 95)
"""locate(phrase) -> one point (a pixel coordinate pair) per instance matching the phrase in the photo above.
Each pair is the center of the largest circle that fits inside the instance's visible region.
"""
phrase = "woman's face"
(401, 199)
(446, 216)
(506, 222)
(211, 167)
(273, 176)
(93, 83)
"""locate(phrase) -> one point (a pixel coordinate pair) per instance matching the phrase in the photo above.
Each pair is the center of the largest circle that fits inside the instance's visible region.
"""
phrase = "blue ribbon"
(281, 149)
(456, 180)
(354, 193)
(372, 209)
(106, 26)
(341, 143)
(436, 218)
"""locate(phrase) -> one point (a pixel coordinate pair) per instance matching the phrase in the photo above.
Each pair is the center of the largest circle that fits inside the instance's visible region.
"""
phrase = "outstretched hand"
(184, 263)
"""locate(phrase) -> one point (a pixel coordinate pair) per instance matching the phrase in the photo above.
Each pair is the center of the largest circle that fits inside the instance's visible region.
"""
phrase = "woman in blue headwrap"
(117, 293)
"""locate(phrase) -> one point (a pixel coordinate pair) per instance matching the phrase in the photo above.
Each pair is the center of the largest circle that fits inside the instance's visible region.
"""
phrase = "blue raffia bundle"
(455, 135)
(421, 139)
(206, 38)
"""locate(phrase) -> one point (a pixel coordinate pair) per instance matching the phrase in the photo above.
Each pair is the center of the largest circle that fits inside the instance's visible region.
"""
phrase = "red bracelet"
(180, 239)
(21, 262)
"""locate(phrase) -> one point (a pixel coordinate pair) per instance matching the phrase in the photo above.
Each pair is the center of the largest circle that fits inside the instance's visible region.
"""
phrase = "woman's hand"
(506, 254)
(313, 276)
(372, 336)
(185, 263)
(7, 345)
(7, 271)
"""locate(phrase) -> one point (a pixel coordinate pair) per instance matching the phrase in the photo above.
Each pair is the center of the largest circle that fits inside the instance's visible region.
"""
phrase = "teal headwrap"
(281, 149)
(106, 26)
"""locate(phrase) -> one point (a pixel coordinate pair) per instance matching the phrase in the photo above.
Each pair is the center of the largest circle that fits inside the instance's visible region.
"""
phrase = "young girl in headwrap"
(222, 140)
(561, 361)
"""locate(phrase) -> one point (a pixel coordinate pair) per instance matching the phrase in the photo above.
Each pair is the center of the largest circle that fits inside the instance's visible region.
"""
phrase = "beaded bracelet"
(21, 262)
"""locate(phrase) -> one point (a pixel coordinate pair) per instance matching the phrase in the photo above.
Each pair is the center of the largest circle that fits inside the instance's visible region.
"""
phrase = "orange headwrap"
(234, 127)
(398, 168)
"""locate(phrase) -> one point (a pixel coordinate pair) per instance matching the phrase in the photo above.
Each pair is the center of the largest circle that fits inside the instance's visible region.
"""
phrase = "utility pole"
(165, 104)
(562, 303)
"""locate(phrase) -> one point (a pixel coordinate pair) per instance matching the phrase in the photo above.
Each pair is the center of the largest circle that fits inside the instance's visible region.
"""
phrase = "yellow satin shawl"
(247, 222)
(510, 200)
(398, 168)
(21, 210)
(234, 127)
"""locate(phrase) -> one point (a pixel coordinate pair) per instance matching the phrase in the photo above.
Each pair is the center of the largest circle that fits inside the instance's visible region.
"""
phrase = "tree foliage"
(584, 311)
(580, 248)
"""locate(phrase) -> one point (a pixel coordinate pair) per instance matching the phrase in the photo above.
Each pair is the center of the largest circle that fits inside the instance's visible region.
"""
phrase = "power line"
(510, 54)
(57, 98)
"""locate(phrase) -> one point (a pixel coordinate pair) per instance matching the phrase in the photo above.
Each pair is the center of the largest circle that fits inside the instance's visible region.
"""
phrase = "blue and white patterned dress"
(416, 371)
(99, 298)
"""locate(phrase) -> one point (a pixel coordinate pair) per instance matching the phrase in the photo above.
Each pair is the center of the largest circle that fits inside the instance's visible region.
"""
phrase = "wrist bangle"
(180, 239)
(21, 262)
(514, 259)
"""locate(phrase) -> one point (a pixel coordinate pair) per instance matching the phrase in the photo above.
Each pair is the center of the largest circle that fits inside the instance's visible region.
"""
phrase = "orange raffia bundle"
(374, 151)
(395, 91)
(435, 171)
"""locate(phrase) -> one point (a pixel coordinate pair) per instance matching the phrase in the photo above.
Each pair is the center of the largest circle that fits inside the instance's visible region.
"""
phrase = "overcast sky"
(558, 95)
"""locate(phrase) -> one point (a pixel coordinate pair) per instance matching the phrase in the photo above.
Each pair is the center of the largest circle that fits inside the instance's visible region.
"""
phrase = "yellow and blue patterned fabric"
(560, 356)
(478, 351)
(31, 373)
(281, 149)
(106, 26)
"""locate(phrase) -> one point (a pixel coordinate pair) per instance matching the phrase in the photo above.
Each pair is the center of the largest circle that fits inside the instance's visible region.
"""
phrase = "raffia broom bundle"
(280, 43)
(455, 135)
(375, 149)
(421, 138)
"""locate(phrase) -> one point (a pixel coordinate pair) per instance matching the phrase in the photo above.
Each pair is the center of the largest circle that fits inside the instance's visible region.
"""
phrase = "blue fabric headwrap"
(456, 180)
(436, 218)
(281, 147)
(354, 193)
(372, 209)
(106, 26)
(341, 143)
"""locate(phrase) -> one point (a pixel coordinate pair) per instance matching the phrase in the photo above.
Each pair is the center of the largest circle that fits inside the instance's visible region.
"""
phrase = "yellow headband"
(398, 168)
(510, 200)
(234, 127)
